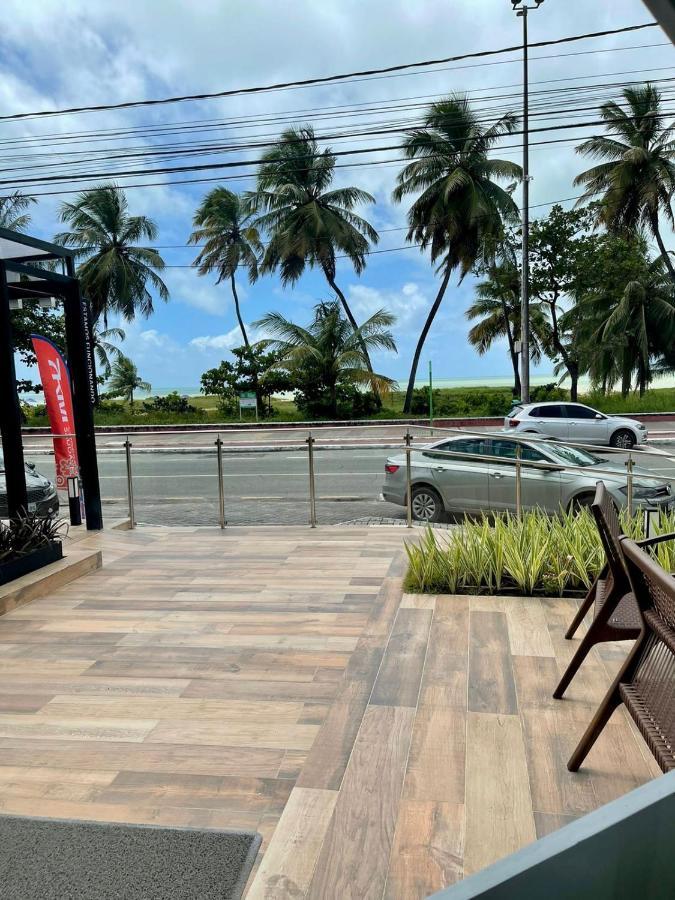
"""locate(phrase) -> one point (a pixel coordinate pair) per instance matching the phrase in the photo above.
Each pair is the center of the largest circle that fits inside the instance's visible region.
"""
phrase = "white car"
(576, 423)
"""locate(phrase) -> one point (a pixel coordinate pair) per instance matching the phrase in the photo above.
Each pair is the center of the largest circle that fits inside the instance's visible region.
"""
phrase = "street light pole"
(522, 10)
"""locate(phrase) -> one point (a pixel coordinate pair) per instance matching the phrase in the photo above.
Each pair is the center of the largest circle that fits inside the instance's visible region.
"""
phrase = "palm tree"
(497, 307)
(634, 329)
(460, 209)
(115, 271)
(331, 348)
(230, 239)
(309, 224)
(125, 379)
(12, 213)
(104, 349)
(636, 177)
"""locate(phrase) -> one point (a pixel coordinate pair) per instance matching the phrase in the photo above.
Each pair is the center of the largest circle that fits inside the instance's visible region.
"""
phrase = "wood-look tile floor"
(460, 758)
(385, 745)
(186, 681)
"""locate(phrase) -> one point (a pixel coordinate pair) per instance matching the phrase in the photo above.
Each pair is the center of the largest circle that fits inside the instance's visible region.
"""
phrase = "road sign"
(247, 400)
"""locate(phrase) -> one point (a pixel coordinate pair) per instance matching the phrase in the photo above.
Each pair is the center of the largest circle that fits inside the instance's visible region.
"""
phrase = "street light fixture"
(521, 9)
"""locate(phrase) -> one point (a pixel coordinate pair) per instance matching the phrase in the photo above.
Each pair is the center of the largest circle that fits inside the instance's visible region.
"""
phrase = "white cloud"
(409, 303)
(225, 341)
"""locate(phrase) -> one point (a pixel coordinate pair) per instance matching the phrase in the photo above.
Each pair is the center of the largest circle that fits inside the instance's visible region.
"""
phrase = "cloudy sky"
(64, 53)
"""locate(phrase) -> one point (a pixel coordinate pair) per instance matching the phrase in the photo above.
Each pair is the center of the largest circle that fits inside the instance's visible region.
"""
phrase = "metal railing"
(403, 444)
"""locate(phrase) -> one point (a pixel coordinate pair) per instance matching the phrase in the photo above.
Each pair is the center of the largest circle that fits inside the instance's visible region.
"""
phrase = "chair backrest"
(607, 520)
(654, 588)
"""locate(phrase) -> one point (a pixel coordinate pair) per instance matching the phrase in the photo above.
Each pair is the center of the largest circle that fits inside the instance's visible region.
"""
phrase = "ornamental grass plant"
(535, 554)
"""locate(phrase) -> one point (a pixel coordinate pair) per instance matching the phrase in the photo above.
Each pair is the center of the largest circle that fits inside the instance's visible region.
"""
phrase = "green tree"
(459, 208)
(252, 370)
(562, 249)
(105, 350)
(13, 213)
(308, 223)
(497, 309)
(628, 313)
(115, 270)
(124, 380)
(636, 177)
(330, 350)
(225, 227)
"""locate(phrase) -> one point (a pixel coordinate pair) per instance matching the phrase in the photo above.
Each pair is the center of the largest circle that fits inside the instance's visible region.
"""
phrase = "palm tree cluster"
(462, 214)
(616, 321)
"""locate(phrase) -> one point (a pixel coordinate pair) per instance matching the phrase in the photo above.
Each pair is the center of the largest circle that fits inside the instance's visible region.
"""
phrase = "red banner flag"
(55, 380)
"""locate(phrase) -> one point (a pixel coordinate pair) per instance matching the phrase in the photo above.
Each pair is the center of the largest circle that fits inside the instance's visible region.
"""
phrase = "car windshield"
(573, 456)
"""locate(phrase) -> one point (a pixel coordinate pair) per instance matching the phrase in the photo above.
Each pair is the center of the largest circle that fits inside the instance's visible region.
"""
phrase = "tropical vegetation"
(531, 554)
(124, 380)
(116, 270)
(328, 356)
(601, 298)
(224, 226)
(460, 210)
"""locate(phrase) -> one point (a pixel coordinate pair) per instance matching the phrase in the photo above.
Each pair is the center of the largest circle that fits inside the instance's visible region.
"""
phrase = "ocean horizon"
(486, 381)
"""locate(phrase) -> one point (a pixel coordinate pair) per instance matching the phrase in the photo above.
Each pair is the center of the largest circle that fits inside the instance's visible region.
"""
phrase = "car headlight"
(642, 427)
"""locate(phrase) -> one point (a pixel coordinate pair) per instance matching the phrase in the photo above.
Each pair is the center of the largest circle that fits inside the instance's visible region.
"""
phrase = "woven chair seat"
(626, 616)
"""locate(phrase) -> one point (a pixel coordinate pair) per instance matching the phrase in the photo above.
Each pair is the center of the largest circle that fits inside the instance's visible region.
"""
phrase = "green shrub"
(171, 403)
(456, 404)
(548, 392)
(534, 554)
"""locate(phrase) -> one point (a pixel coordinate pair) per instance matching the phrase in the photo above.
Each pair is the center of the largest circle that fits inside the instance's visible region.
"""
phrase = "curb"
(230, 451)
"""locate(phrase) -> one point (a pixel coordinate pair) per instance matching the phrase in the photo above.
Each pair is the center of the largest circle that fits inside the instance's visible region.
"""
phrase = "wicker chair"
(646, 682)
(616, 617)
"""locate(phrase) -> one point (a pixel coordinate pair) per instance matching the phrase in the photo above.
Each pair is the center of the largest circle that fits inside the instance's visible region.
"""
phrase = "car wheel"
(583, 501)
(622, 439)
(426, 505)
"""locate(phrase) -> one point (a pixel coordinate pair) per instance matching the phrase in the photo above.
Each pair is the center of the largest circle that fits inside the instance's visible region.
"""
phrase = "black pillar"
(80, 362)
(10, 410)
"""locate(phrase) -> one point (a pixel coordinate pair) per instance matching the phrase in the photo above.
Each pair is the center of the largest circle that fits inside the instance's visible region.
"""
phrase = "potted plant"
(28, 543)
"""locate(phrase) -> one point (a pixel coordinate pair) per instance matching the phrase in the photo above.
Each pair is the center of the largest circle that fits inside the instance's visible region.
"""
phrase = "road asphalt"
(262, 487)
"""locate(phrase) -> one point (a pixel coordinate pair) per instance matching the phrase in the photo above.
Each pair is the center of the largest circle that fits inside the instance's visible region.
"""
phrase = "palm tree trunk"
(237, 310)
(422, 338)
(352, 321)
(517, 389)
(664, 253)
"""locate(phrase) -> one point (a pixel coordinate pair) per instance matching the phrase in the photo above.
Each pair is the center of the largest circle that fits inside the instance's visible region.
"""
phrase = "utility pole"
(521, 9)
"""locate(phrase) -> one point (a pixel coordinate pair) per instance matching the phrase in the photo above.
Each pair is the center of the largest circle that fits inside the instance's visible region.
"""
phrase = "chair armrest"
(659, 539)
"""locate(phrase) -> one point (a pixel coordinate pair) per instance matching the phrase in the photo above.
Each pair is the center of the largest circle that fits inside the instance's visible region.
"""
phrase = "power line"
(166, 170)
(322, 80)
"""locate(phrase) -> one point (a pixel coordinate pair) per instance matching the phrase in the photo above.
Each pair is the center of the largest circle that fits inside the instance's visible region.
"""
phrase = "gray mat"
(57, 859)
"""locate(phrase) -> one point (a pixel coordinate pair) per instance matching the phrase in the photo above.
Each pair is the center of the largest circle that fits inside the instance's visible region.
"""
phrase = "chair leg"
(597, 723)
(611, 700)
(583, 609)
(588, 641)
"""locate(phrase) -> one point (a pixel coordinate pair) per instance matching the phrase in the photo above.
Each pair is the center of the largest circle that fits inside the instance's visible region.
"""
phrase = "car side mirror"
(599, 416)
(30, 466)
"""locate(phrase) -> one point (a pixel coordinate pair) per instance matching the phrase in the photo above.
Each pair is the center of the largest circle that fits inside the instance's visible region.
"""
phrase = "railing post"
(221, 490)
(629, 483)
(519, 481)
(130, 484)
(309, 440)
(408, 479)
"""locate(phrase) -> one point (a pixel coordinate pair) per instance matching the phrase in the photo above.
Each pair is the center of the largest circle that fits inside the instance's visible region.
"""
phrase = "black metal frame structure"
(21, 278)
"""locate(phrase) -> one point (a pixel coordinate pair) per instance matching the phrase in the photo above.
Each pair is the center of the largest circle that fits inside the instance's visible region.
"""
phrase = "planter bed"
(36, 559)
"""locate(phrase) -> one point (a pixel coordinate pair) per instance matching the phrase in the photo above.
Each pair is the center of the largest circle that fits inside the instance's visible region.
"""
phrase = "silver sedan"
(482, 478)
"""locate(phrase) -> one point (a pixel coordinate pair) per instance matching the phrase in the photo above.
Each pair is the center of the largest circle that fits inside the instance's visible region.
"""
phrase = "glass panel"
(349, 484)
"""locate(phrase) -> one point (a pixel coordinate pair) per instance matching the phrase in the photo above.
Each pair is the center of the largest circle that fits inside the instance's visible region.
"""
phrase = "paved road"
(263, 488)
(260, 487)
